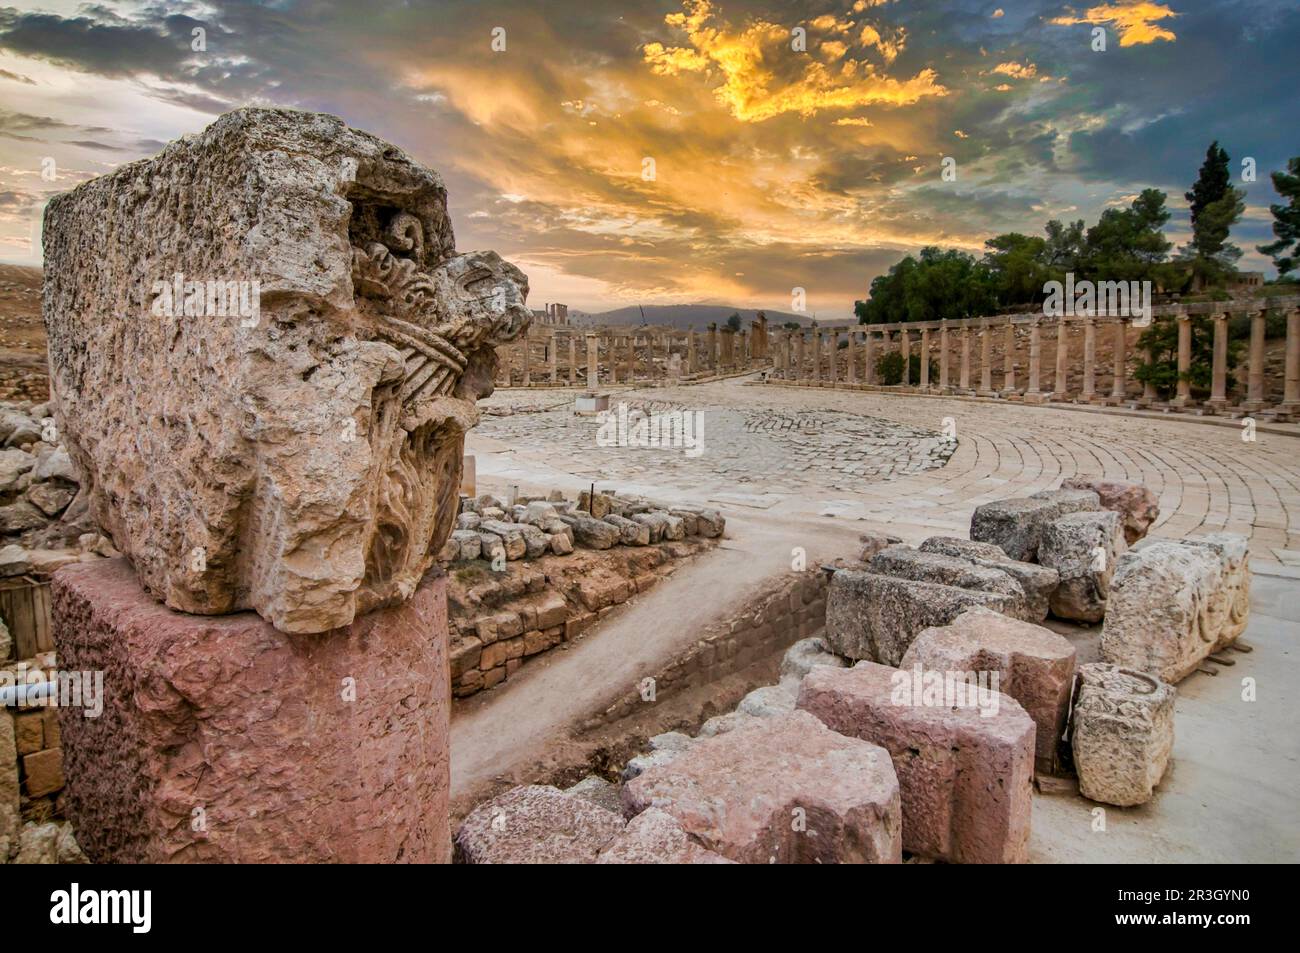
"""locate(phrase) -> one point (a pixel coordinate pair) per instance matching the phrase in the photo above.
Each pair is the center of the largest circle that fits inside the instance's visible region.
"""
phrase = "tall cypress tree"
(1285, 252)
(1211, 184)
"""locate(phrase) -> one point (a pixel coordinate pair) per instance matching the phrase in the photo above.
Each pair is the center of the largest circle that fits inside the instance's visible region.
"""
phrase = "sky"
(709, 151)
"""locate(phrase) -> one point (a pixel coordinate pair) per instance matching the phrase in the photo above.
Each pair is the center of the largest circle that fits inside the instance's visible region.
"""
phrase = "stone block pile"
(45, 519)
(488, 528)
(533, 576)
(934, 697)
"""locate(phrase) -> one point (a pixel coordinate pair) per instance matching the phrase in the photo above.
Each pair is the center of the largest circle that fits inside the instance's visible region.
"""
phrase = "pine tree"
(1215, 207)
(1285, 252)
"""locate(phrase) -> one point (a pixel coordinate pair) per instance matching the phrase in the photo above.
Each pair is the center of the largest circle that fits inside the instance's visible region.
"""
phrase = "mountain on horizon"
(693, 316)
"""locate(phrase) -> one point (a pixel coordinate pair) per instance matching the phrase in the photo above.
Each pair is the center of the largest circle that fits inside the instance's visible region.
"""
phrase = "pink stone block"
(224, 740)
(783, 789)
(1035, 666)
(965, 776)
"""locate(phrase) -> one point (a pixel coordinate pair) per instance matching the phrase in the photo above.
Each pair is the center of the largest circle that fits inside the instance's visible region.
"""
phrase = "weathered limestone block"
(1159, 611)
(631, 532)
(536, 824)
(1017, 525)
(779, 790)
(333, 748)
(1084, 548)
(905, 562)
(1035, 666)
(655, 837)
(469, 544)
(870, 616)
(1037, 582)
(1070, 499)
(1229, 608)
(709, 522)
(297, 447)
(591, 532)
(1133, 501)
(1122, 733)
(807, 654)
(769, 700)
(510, 534)
(599, 792)
(965, 775)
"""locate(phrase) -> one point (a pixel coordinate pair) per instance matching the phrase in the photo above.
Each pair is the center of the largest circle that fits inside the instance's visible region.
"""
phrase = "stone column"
(1121, 367)
(1255, 373)
(925, 360)
(526, 343)
(1149, 394)
(713, 346)
(1009, 360)
(905, 349)
(692, 357)
(1291, 383)
(1061, 386)
(963, 377)
(801, 346)
(835, 357)
(1089, 392)
(943, 357)
(553, 353)
(852, 354)
(1183, 396)
(885, 341)
(986, 360)
(1032, 393)
(869, 357)
(593, 352)
(1219, 375)
(573, 360)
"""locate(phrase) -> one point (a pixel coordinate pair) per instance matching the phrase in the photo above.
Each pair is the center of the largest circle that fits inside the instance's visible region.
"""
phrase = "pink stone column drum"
(224, 740)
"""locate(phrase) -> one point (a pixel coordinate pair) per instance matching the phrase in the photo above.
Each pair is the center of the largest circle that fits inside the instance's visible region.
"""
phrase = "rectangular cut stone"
(904, 562)
(536, 824)
(870, 616)
(290, 749)
(11, 821)
(1083, 548)
(264, 354)
(1038, 582)
(784, 790)
(1017, 525)
(1035, 666)
(965, 778)
(1122, 733)
(1160, 616)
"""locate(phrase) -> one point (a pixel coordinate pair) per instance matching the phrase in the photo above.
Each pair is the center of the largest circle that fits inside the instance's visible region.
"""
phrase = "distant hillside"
(696, 316)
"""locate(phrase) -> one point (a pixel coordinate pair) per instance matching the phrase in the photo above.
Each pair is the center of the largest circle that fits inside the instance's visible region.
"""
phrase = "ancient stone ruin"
(295, 451)
(265, 352)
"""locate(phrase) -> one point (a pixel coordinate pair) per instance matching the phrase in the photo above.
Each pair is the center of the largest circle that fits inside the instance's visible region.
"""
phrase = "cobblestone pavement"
(880, 458)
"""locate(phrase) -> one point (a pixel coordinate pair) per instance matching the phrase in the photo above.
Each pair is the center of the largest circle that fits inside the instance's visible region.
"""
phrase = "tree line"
(1125, 244)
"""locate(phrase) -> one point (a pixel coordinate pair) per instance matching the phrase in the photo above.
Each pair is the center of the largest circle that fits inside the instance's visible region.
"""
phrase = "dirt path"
(497, 732)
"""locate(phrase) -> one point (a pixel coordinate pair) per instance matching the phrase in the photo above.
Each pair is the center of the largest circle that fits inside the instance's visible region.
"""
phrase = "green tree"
(1129, 244)
(1065, 247)
(1018, 267)
(1162, 340)
(733, 322)
(1285, 252)
(1215, 207)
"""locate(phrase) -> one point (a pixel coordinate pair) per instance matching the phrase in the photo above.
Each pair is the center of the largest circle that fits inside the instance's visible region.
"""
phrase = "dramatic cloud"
(669, 152)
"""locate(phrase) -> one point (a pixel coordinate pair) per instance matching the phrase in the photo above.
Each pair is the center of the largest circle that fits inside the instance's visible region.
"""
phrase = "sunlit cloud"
(1137, 22)
(763, 77)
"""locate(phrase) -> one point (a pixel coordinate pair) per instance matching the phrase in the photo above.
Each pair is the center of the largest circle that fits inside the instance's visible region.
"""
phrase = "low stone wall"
(794, 609)
(498, 620)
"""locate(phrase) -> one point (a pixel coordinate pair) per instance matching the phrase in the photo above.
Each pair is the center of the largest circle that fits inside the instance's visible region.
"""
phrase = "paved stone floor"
(879, 458)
